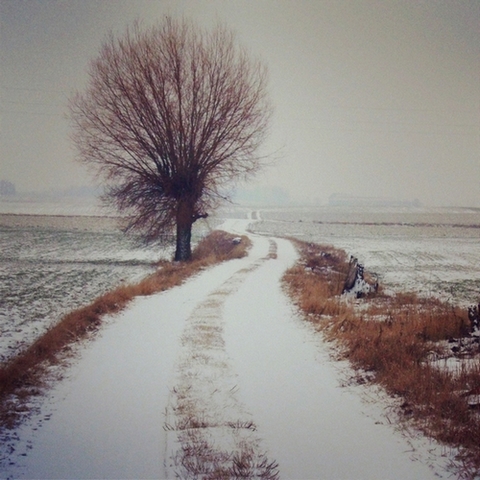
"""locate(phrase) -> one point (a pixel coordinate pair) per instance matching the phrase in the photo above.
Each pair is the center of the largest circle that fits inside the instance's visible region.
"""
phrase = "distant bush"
(7, 188)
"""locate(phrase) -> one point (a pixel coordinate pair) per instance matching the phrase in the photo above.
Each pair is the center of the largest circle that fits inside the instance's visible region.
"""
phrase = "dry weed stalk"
(26, 375)
(392, 338)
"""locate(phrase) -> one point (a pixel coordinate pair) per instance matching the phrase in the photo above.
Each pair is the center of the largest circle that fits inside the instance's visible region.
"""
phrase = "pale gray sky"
(371, 97)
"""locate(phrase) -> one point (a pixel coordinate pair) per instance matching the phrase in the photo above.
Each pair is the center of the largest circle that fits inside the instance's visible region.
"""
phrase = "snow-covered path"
(221, 361)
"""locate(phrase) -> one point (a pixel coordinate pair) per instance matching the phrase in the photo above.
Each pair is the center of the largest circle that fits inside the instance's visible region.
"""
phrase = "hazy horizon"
(375, 98)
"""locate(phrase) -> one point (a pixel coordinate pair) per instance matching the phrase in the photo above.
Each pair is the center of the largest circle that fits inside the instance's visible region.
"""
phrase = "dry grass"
(26, 375)
(392, 338)
(203, 459)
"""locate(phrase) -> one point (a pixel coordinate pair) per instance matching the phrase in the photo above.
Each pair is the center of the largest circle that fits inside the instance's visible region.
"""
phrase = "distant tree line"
(7, 188)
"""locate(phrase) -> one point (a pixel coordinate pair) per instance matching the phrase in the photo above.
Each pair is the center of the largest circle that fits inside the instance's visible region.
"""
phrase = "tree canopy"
(171, 114)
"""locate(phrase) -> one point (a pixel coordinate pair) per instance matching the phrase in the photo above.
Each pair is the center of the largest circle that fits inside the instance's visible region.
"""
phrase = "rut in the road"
(210, 434)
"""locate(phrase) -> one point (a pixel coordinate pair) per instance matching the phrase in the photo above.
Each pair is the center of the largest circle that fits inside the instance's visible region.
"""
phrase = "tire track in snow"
(210, 434)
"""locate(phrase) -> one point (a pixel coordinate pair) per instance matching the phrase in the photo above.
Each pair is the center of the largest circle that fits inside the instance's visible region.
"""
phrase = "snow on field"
(52, 264)
(430, 251)
(37, 204)
(225, 353)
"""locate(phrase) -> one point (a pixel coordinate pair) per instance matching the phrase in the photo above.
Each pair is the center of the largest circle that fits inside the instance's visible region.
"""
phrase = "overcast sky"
(371, 97)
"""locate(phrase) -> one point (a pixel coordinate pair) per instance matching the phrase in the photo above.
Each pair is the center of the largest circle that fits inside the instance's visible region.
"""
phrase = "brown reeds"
(26, 374)
(393, 338)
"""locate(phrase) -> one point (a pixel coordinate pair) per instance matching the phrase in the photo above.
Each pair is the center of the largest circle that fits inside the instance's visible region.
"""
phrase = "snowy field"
(51, 264)
(430, 251)
(251, 384)
(58, 259)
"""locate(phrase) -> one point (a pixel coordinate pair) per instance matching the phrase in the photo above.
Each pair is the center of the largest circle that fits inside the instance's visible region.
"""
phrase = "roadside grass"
(29, 373)
(401, 342)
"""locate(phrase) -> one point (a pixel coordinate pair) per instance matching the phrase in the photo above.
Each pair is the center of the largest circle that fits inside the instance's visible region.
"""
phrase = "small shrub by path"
(401, 342)
(27, 374)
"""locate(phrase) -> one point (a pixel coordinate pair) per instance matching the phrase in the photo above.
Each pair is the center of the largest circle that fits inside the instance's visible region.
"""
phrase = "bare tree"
(171, 114)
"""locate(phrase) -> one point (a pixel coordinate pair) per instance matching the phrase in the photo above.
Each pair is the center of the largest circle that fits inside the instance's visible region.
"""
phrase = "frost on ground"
(216, 375)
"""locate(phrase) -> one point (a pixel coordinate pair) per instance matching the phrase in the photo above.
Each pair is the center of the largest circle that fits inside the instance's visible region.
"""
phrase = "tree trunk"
(185, 220)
